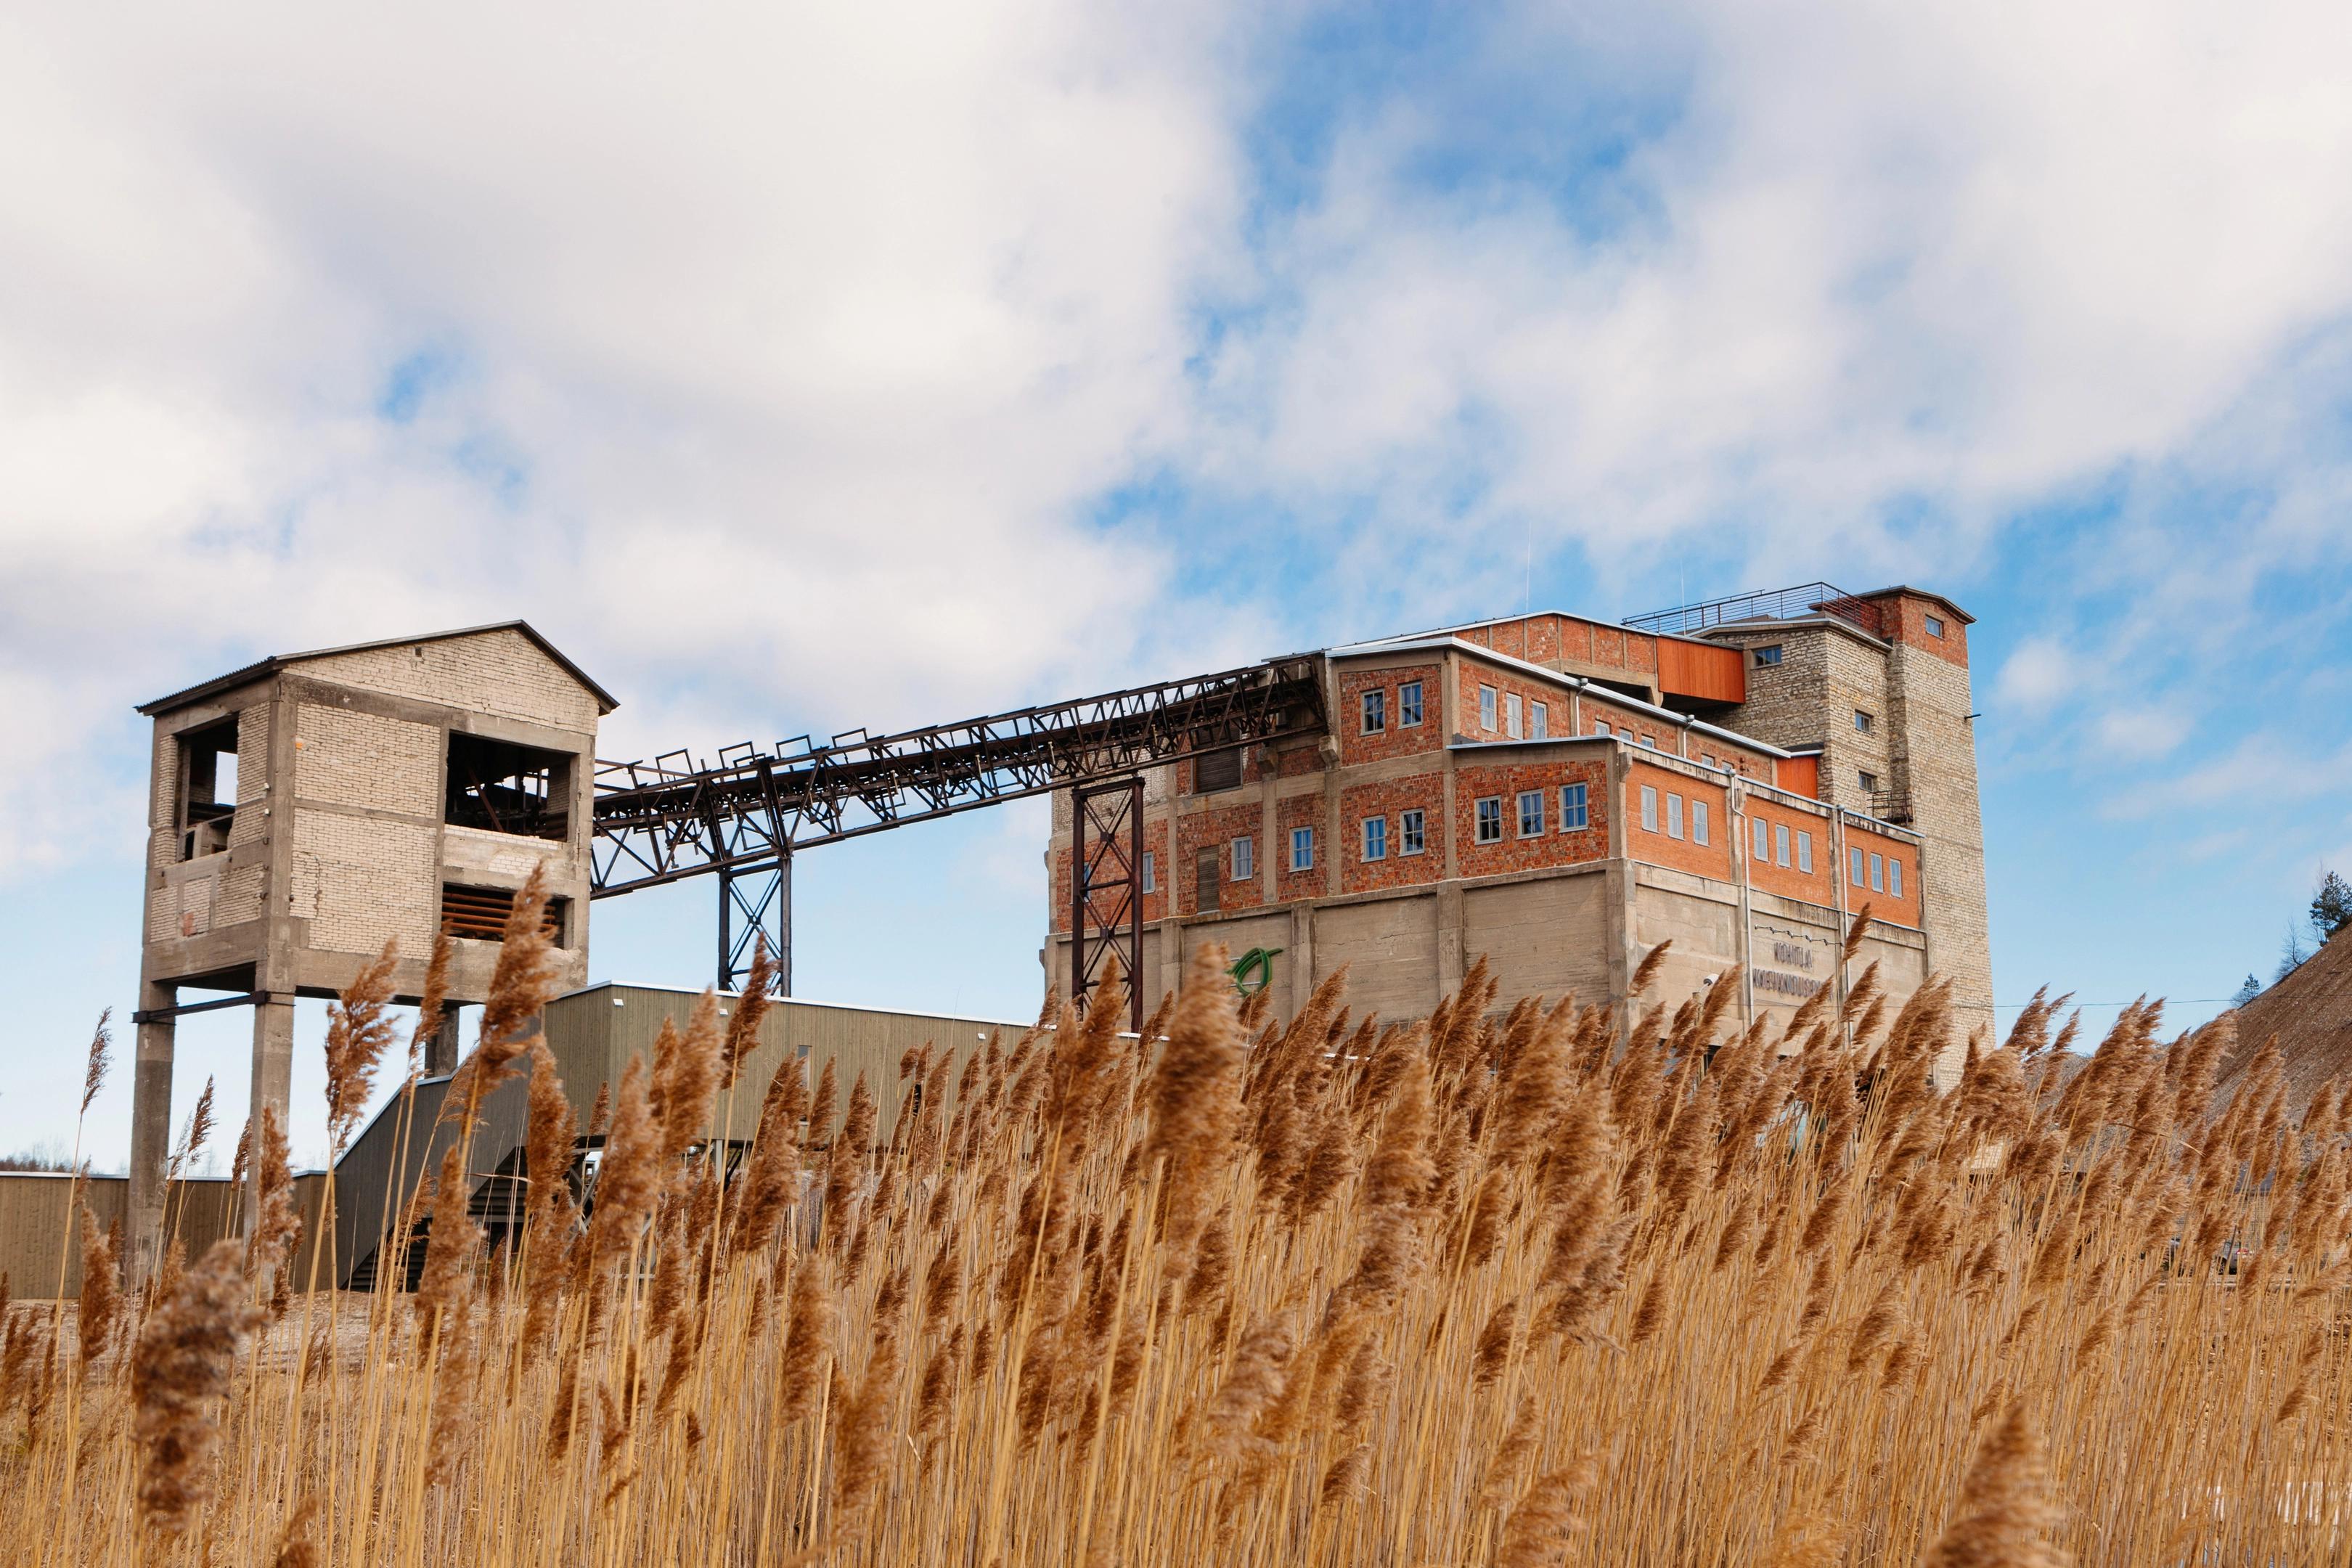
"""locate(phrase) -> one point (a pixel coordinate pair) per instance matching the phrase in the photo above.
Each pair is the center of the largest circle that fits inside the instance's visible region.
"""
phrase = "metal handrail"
(1766, 604)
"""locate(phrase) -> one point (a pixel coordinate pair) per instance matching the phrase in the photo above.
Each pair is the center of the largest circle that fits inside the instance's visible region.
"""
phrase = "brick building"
(306, 808)
(1560, 794)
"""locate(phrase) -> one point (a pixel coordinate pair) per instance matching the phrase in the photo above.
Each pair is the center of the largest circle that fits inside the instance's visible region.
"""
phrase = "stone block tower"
(305, 809)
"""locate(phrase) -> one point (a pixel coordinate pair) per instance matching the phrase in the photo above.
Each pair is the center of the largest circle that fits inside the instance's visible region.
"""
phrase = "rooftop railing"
(1767, 604)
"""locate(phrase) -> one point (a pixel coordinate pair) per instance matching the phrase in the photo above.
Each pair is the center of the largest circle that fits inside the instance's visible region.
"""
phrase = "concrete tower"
(303, 810)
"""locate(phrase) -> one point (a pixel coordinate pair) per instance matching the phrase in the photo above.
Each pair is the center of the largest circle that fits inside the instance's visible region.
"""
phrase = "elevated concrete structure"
(306, 809)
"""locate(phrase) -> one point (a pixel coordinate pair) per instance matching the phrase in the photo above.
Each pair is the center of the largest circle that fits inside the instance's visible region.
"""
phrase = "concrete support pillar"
(1451, 962)
(441, 1051)
(273, 1078)
(150, 1132)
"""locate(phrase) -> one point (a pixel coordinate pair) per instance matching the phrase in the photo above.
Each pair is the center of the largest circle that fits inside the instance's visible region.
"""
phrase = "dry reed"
(1622, 1281)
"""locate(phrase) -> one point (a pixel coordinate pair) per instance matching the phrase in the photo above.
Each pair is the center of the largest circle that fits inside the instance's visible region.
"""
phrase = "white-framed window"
(1804, 852)
(1770, 654)
(1531, 812)
(1935, 626)
(1485, 708)
(1862, 721)
(1600, 727)
(1151, 872)
(1894, 876)
(1490, 820)
(1763, 838)
(1674, 816)
(1698, 821)
(1244, 858)
(1779, 844)
(1575, 815)
(1539, 721)
(1877, 874)
(1649, 809)
(1651, 742)
(1706, 759)
(1511, 706)
(1413, 832)
(1409, 705)
(1854, 865)
(1376, 838)
(1376, 710)
(1302, 849)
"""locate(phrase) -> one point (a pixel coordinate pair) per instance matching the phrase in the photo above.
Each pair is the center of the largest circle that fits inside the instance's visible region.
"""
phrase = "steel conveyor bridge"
(744, 817)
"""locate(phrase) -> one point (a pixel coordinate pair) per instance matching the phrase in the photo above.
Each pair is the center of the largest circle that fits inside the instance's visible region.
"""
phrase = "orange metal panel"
(1798, 776)
(1701, 672)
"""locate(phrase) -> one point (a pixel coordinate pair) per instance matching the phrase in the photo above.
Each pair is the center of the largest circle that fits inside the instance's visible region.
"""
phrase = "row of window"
(1508, 710)
(1664, 812)
(1376, 707)
(1675, 815)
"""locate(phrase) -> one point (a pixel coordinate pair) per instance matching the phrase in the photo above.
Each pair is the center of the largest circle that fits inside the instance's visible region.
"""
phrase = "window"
(207, 788)
(1651, 742)
(1935, 626)
(1409, 705)
(1244, 858)
(1302, 849)
(1779, 844)
(1538, 723)
(1674, 816)
(1216, 771)
(1877, 874)
(1150, 873)
(1573, 815)
(1763, 838)
(1804, 852)
(1854, 865)
(1411, 834)
(1511, 708)
(1698, 822)
(502, 787)
(481, 913)
(1869, 782)
(1490, 820)
(1600, 727)
(1649, 809)
(1706, 759)
(1376, 711)
(1376, 838)
(1531, 804)
(1861, 722)
(1485, 708)
(1894, 876)
(1770, 654)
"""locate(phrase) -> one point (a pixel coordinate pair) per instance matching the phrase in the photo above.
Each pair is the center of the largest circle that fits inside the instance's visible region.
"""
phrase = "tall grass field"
(1590, 1281)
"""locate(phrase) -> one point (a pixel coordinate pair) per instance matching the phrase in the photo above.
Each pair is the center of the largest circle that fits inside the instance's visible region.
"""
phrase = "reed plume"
(179, 1370)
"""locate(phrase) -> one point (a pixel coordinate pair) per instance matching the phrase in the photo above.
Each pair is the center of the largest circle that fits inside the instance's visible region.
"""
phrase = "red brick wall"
(1905, 621)
(1299, 761)
(1517, 853)
(1155, 903)
(1885, 906)
(1712, 858)
(1542, 639)
(1626, 721)
(1217, 828)
(1425, 791)
(1396, 740)
(1475, 674)
(1819, 887)
(1299, 811)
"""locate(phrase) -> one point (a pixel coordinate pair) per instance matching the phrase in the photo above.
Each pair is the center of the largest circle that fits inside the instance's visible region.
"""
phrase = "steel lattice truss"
(674, 817)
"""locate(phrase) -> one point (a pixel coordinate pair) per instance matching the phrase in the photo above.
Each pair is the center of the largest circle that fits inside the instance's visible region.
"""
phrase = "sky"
(797, 369)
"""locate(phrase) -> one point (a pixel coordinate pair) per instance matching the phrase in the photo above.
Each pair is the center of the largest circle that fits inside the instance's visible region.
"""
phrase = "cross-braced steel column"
(753, 903)
(1107, 887)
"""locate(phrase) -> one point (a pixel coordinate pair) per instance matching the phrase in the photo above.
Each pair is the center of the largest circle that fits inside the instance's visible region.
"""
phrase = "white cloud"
(2139, 733)
(2037, 676)
(783, 352)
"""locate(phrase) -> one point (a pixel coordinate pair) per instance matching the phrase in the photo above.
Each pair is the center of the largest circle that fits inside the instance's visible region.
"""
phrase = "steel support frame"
(755, 901)
(1106, 889)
